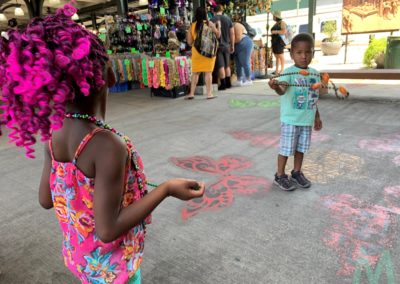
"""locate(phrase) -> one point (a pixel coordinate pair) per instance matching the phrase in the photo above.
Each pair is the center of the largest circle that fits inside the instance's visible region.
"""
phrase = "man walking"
(226, 47)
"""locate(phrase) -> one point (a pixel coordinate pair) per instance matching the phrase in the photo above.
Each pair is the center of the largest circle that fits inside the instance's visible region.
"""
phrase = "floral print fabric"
(91, 260)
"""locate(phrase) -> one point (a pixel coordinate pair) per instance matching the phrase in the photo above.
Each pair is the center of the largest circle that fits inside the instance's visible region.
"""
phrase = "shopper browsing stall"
(200, 63)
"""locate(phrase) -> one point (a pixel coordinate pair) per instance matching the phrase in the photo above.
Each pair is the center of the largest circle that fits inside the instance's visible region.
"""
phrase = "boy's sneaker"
(300, 179)
(284, 182)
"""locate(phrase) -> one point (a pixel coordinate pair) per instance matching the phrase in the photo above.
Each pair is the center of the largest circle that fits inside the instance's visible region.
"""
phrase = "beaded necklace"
(167, 79)
(149, 73)
(102, 124)
(325, 83)
(162, 73)
(144, 72)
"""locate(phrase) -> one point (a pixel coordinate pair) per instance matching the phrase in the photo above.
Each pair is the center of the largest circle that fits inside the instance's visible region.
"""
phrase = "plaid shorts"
(294, 138)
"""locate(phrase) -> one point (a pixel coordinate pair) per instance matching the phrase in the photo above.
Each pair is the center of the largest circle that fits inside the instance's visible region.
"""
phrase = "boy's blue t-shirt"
(299, 104)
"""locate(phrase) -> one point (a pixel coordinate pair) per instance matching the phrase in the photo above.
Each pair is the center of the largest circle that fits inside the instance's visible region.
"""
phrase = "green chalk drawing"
(249, 103)
(269, 104)
(385, 261)
(242, 103)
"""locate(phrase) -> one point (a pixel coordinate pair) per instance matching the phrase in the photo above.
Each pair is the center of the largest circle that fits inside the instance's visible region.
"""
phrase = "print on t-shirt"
(305, 97)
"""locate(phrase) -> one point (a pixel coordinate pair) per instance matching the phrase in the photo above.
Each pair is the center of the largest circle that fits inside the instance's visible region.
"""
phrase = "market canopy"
(85, 8)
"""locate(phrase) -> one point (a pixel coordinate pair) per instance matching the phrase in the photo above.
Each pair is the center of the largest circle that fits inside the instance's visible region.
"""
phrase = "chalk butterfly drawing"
(361, 230)
(390, 143)
(221, 194)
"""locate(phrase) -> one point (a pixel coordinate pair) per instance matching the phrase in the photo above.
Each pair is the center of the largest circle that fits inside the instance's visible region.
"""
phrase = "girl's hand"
(185, 189)
(317, 124)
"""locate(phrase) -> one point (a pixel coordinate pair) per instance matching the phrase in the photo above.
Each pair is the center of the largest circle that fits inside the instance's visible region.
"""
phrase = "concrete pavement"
(245, 230)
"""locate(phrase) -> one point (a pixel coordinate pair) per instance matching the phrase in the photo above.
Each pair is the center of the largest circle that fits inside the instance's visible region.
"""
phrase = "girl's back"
(72, 184)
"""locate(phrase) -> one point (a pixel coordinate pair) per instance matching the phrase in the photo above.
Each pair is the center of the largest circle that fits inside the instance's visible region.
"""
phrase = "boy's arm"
(317, 121)
(280, 87)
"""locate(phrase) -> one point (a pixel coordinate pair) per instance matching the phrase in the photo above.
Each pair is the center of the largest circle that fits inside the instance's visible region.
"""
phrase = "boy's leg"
(298, 161)
(282, 160)
(286, 149)
(302, 146)
(281, 179)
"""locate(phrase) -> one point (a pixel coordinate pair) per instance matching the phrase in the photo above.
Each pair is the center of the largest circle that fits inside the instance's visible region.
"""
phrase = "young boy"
(298, 112)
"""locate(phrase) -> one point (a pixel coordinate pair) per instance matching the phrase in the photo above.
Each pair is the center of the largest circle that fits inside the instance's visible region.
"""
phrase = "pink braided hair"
(51, 62)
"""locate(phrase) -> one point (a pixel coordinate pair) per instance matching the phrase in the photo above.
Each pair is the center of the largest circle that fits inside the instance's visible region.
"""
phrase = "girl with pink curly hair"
(54, 79)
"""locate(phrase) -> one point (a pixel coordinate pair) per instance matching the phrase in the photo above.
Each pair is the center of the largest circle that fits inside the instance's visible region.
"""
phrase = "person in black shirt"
(226, 47)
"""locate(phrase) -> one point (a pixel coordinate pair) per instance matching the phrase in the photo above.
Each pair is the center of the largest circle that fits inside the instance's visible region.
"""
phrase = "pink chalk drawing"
(396, 160)
(221, 194)
(269, 139)
(389, 143)
(360, 230)
(392, 198)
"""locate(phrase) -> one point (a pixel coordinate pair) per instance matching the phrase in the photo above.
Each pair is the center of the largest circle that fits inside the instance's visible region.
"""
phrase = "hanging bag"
(251, 33)
(285, 37)
(206, 42)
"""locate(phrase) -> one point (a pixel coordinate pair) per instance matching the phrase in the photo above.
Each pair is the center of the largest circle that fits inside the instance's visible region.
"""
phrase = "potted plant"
(374, 56)
(331, 44)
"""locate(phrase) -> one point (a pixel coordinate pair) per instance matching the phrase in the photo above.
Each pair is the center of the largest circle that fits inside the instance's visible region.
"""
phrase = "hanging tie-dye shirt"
(91, 260)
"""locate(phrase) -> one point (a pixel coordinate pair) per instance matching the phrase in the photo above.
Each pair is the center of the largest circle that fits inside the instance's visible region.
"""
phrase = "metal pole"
(312, 6)
(122, 7)
(266, 52)
(345, 48)
(269, 5)
(298, 6)
(34, 8)
(94, 21)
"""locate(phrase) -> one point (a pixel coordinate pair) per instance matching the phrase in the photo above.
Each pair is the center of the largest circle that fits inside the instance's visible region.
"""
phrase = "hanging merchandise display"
(235, 10)
(157, 72)
(256, 7)
(124, 34)
(150, 50)
(258, 61)
(170, 21)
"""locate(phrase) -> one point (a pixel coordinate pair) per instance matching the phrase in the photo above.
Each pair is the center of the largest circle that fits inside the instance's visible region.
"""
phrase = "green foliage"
(375, 49)
(329, 29)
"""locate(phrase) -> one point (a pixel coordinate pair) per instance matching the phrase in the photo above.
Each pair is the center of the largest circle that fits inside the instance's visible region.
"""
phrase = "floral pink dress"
(91, 260)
